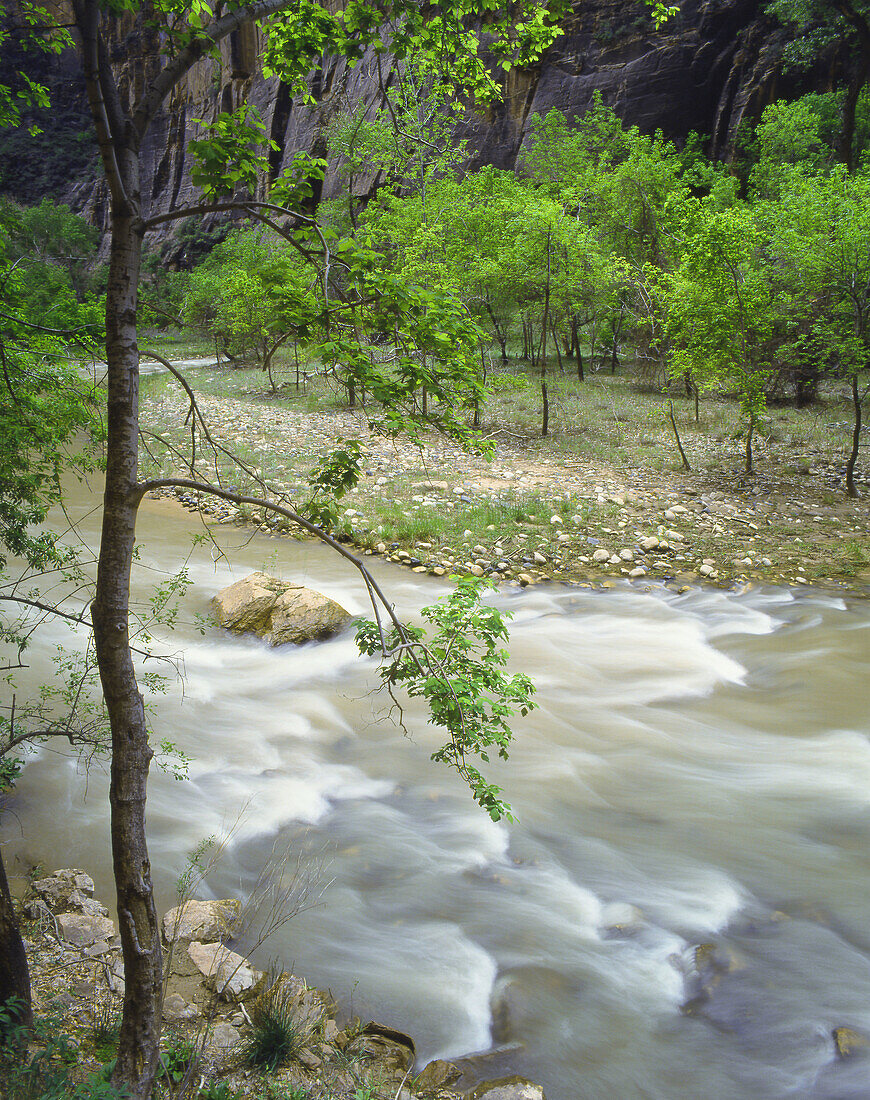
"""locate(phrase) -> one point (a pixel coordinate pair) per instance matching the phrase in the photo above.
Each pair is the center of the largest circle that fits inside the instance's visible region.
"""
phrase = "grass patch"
(278, 1032)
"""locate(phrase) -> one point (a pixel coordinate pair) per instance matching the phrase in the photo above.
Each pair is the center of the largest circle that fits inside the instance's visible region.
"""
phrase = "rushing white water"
(698, 772)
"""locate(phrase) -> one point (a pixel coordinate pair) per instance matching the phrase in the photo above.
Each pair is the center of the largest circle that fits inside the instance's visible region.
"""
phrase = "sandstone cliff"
(713, 66)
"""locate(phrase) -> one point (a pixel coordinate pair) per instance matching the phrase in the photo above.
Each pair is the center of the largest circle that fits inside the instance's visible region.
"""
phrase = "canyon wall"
(713, 66)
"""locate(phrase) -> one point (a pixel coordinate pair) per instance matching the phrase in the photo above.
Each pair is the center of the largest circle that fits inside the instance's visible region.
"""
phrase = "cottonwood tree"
(819, 234)
(720, 309)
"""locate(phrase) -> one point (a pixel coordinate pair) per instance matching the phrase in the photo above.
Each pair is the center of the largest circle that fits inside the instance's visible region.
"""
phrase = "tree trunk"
(851, 488)
(748, 452)
(847, 125)
(558, 349)
(14, 974)
(578, 354)
(138, 1046)
(545, 397)
(501, 337)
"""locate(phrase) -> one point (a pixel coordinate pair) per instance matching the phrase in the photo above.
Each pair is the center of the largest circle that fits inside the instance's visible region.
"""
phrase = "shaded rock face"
(277, 611)
(709, 69)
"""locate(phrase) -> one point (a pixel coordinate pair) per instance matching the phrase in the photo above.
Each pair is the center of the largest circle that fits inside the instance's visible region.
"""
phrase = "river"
(697, 773)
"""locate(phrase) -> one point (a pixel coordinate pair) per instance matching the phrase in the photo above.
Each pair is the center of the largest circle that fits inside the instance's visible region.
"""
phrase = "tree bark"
(138, 1046)
(748, 452)
(14, 973)
(118, 140)
(851, 487)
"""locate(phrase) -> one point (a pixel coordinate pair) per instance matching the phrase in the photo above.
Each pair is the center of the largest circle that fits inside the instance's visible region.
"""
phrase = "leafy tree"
(252, 293)
(820, 236)
(845, 25)
(720, 308)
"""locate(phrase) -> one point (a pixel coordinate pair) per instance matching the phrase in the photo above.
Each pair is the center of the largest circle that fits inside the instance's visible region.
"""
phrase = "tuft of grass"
(278, 1033)
(105, 1029)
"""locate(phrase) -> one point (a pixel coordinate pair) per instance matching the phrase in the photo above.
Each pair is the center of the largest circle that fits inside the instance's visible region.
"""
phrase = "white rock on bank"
(230, 975)
(205, 921)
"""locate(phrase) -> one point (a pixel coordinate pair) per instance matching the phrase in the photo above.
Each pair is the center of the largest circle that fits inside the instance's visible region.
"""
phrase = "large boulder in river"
(278, 611)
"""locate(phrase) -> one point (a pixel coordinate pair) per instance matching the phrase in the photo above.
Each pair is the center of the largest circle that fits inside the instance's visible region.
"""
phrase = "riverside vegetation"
(654, 333)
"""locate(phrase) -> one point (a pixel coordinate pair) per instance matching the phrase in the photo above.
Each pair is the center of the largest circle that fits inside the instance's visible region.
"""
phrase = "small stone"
(626, 554)
(649, 543)
(705, 570)
(638, 571)
(231, 975)
(525, 579)
(507, 1088)
(556, 521)
(601, 555)
(477, 570)
(176, 1009)
(539, 558)
(223, 1038)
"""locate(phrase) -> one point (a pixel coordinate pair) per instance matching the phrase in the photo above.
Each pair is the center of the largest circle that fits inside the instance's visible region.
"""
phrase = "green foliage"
(36, 1064)
(26, 22)
(278, 1032)
(178, 1060)
(234, 153)
(336, 474)
(105, 1029)
(10, 769)
(459, 673)
(218, 1090)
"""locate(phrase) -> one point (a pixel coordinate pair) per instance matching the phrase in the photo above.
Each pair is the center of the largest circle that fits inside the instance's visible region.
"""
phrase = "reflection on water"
(698, 772)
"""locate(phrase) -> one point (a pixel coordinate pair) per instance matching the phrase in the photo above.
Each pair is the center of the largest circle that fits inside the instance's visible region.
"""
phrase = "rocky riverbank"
(216, 1008)
(554, 517)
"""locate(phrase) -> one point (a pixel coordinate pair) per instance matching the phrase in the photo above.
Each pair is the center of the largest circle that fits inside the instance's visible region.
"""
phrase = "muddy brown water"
(697, 773)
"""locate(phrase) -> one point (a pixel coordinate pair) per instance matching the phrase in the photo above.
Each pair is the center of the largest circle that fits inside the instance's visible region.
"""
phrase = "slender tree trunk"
(138, 1046)
(749, 434)
(578, 354)
(14, 974)
(501, 337)
(614, 351)
(851, 488)
(545, 396)
(686, 465)
(558, 349)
